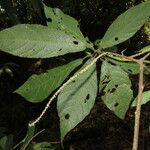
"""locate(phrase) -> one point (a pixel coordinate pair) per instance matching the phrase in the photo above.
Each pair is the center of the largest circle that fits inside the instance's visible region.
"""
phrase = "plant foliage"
(77, 100)
(126, 25)
(44, 84)
(62, 36)
(115, 88)
(36, 41)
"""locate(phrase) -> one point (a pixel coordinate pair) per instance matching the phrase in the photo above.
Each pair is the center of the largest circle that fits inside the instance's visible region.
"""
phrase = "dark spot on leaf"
(108, 90)
(113, 90)
(74, 37)
(75, 42)
(61, 18)
(73, 81)
(87, 98)
(130, 70)
(116, 104)
(116, 85)
(103, 93)
(116, 38)
(106, 77)
(95, 46)
(59, 22)
(60, 49)
(54, 12)
(106, 82)
(27, 89)
(49, 19)
(88, 42)
(67, 116)
(112, 63)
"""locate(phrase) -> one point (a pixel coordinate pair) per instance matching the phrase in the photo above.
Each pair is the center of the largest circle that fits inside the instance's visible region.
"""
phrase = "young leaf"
(146, 49)
(57, 19)
(6, 142)
(26, 141)
(36, 41)
(3, 141)
(115, 89)
(76, 100)
(43, 146)
(145, 98)
(38, 87)
(126, 25)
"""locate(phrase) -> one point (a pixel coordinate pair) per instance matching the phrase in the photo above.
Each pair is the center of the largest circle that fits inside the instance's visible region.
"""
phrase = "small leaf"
(6, 142)
(145, 98)
(76, 100)
(144, 50)
(3, 141)
(43, 146)
(37, 41)
(26, 141)
(57, 19)
(126, 25)
(38, 87)
(115, 89)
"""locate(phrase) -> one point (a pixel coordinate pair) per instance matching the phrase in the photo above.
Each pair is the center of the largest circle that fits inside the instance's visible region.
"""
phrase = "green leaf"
(145, 49)
(3, 141)
(145, 98)
(57, 19)
(43, 146)
(129, 67)
(6, 142)
(142, 51)
(76, 100)
(126, 25)
(115, 89)
(36, 41)
(38, 87)
(26, 141)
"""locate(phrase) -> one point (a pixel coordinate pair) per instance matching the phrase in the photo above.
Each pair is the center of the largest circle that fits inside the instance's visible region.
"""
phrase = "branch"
(140, 90)
(139, 100)
(63, 86)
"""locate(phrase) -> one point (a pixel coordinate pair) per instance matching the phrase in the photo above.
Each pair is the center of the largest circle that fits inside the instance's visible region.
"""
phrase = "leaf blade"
(59, 20)
(43, 146)
(126, 25)
(38, 87)
(37, 41)
(76, 100)
(145, 98)
(115, 89)
(129, 67)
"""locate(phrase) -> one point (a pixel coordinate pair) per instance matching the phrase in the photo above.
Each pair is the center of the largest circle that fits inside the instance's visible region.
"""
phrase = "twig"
(28, 141)
(140, 90)
(138, 108)
(139, 100)
(123, 57)
(64, 85)
(32, 139)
